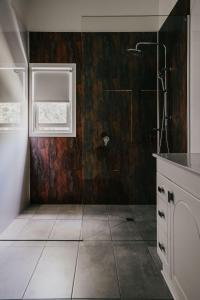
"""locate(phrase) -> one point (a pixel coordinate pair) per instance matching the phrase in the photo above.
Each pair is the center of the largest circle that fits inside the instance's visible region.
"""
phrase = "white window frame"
(34, 130)
(5, 127)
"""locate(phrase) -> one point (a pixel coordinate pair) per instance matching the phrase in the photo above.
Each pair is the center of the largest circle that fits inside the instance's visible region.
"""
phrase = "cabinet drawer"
(162, 214)
(162, 186)
(162, 245)
(187, 180)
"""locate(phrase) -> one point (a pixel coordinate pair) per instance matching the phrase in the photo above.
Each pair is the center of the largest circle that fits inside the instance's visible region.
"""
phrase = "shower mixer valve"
(106, 140)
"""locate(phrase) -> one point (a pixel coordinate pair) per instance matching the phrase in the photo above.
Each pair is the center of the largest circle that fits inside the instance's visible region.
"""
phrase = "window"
(12, 98)
(53, 100)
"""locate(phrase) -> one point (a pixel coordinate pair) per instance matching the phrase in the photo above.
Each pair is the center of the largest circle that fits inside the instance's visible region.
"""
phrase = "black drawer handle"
(161, 214)
(162, 247)
(161, 190)
(170, 197)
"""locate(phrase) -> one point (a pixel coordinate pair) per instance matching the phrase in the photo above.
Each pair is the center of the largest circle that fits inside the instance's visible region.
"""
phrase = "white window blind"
(52, 100)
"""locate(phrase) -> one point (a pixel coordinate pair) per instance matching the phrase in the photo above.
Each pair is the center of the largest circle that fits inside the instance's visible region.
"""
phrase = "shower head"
(138, 52)
(134, 51)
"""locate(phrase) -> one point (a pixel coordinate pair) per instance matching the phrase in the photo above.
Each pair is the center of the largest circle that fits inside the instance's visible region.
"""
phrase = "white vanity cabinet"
(178, 228)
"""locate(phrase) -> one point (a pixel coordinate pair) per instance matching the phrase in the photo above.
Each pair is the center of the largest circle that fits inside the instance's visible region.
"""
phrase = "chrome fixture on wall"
(162, 77)
(106, 140)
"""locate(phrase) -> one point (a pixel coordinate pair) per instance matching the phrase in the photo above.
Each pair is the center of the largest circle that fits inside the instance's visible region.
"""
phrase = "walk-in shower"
(162, 77)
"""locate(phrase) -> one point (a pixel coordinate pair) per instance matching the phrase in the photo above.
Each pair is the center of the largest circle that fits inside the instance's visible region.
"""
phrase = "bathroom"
(99, 149)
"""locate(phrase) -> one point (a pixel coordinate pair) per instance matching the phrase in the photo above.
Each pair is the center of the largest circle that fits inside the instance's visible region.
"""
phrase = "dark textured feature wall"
(124, 171)
(174, 35)
(56, 163)
(82, 169)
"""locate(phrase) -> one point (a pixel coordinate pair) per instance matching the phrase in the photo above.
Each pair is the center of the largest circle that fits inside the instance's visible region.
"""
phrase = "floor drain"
(130, 220)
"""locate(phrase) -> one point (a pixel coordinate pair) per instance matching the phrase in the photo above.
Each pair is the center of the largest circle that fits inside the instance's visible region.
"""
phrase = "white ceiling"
(69, 15)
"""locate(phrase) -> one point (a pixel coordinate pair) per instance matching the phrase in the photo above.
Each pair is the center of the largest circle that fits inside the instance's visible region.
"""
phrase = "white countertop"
(188, 161)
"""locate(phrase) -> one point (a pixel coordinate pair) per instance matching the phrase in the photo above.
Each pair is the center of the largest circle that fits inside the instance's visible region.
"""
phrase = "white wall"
(164, 9)
(120, 24)
(195, 78)
(66, 15)
(14, 157)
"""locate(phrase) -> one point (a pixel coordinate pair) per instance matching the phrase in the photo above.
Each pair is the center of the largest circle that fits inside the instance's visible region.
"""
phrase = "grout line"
(34, 269)
(50, 232)
(80, 240)
(75, 269)
(110, 230)
(120, 223)
(116, 271)
(92, 237)
(42, 240)
(115, 261)
(81, 231)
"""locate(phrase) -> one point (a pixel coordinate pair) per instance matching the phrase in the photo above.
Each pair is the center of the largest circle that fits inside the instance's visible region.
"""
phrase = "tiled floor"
(81, 252)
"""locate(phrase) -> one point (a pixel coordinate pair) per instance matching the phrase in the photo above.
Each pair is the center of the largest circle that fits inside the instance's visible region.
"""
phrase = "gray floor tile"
(95, 230)
(36, 230)
(144, 212)
(96, 273)
(119, 212)
(6, 243)
(28, 244)
(96, 243)
(123, 230)
(49, 207)
(151, 243)
(70, 212)
(97, 212)
(13, 230)
(61, 243)
(16, 267)
(28, 213)
(66, 230)
(53, 277)
(138, 275)
(155, 257)
(128, 243)
(49, 299)
(137, 263)
(47, 212)
(145, 298)
(148, 230)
